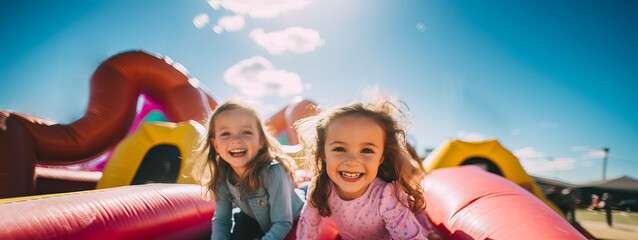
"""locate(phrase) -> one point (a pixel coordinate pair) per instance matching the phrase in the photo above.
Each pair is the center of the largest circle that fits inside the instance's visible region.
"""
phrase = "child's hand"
(302, 176)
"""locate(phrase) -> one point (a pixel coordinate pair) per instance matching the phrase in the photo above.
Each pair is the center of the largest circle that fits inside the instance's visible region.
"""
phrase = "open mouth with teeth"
(237, 152)
(350, 176)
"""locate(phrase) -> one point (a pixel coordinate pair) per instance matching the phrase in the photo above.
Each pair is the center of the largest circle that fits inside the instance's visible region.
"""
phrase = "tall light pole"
(606, 151)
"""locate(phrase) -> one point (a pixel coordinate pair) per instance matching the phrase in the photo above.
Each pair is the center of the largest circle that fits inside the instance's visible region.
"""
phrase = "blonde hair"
(214, 166)
(397, 166)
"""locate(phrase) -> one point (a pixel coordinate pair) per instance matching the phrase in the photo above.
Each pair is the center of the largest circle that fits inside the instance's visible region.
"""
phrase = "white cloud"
(218, 29)
(516, 131)
(549, 125)
(534, 161)
(200, 20)
(256, 77)
(259, 9)
(420, 27)
(293, 39)
(544, 165)
(579, 148)
(214, 4)
(528, 153)
(594, 154)
(563, 163)
(230, 24)
(470, 136)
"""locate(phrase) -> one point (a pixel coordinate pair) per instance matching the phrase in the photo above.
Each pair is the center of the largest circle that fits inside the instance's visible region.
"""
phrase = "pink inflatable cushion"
(154, 211)
(470, 203)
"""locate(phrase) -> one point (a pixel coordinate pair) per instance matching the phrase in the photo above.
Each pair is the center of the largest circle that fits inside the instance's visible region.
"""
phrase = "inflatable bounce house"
(122, 171)
(489, 155)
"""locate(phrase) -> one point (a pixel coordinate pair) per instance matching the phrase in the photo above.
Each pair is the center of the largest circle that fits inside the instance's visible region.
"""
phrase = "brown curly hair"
(396, 166)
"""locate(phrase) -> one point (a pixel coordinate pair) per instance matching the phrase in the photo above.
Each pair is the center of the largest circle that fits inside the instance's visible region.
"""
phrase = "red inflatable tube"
(286, 117)
(115, 86)
(469, 203)
(154, 211)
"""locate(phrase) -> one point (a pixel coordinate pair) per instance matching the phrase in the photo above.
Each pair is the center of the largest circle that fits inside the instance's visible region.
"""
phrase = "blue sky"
(553, 81)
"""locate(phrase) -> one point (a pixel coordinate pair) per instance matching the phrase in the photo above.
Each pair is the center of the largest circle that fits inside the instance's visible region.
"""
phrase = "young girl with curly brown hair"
(363, 176)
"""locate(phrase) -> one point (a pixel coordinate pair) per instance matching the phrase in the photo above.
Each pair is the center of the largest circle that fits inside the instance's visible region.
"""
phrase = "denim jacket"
(275, 205)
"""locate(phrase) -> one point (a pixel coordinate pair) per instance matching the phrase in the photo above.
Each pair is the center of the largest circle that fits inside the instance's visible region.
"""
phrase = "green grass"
(625, 224)
(599, 216)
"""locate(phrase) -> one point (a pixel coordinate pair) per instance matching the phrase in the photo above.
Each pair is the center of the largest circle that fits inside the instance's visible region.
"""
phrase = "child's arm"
(309, 221)
(223, 213)
(308, 225)
(279, 186)
(399, 220)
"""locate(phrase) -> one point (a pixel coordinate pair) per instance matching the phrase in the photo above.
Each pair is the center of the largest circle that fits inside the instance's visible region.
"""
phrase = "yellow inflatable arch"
(157, 152)
(490, 155)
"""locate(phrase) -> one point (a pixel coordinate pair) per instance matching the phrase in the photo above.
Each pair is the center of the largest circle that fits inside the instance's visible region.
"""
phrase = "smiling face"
(353, 153)
(236, 138)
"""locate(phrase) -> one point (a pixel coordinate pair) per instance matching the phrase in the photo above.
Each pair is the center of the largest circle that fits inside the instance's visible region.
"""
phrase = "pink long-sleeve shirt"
(377, 214)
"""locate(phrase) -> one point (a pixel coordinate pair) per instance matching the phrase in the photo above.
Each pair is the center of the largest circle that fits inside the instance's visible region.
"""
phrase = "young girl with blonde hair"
(248, 169)
(363, 176)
